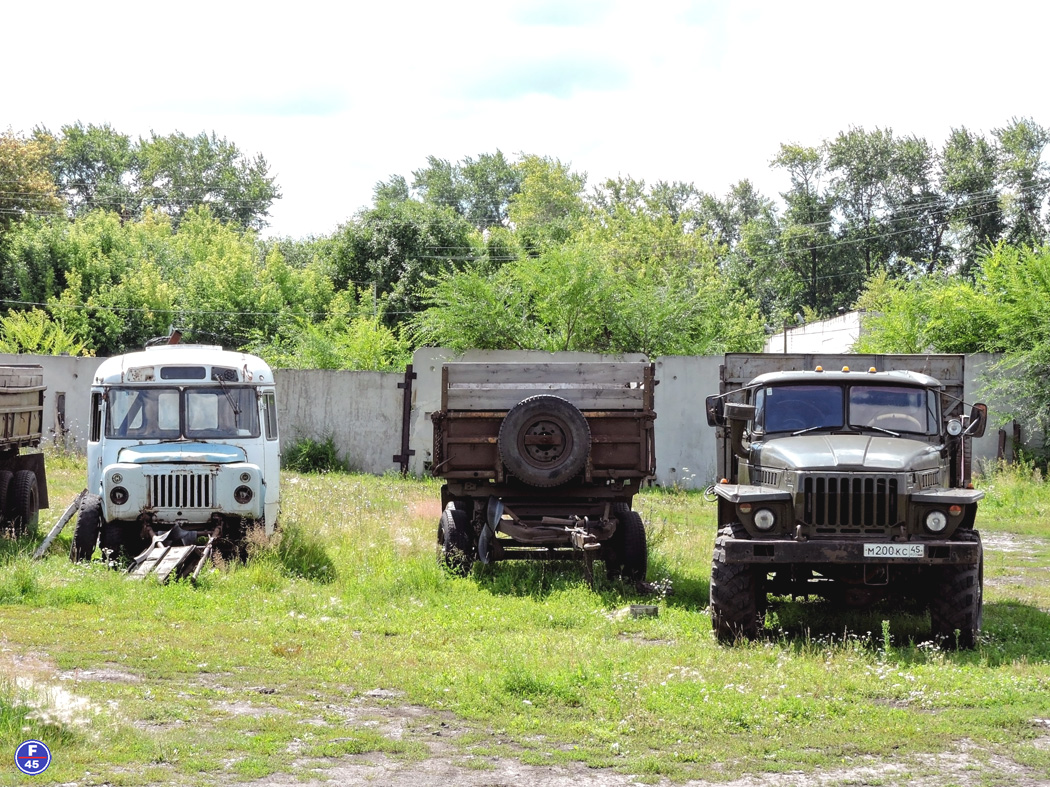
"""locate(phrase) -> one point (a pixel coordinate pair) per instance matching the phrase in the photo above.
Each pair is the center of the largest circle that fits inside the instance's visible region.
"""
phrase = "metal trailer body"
(542, 461)
(23, 481)
(182, 441)
(847, 477)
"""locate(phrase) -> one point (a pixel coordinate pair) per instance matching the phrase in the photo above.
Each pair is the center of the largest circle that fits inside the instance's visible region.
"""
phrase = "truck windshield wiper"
(808, 429)
(880, 429)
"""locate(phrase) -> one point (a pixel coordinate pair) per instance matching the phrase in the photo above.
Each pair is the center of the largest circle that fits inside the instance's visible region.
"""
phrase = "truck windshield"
(792, 408)
(182, 413)
(893, 408)
(888, 408)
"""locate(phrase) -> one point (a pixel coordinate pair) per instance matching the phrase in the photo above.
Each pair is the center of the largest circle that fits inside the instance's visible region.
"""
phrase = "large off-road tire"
(630, 554)
(25, 503)
(735, 590)
(456, 546)
(87, 529)
(6, 495)
(544, 441)
(957, 600)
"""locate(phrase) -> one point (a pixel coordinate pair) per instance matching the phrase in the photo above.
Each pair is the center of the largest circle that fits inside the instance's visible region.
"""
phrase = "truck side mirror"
(715, 408)
(978, 420)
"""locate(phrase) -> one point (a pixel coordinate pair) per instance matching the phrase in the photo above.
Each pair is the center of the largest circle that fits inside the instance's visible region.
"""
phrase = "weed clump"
(314, 456)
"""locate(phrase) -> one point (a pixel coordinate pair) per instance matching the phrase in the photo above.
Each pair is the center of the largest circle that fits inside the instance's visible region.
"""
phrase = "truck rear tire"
(957, 601)
(735, 591)
(544, 441)
(87, 529)
(6, 495)
(25, 503)
(630, 558)
(456, 541)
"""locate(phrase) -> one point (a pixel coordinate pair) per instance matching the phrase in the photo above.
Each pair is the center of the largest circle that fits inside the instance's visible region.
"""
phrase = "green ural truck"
(846, 477)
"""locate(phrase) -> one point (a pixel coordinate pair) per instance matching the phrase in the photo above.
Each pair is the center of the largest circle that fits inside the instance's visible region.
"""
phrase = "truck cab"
(850, 485)
(180, 436)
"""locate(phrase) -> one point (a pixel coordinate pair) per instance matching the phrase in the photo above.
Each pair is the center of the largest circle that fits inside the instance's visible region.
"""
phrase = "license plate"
(894, 550)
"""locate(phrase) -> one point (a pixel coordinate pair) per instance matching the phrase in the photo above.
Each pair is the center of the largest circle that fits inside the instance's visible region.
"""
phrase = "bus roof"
(183, 363)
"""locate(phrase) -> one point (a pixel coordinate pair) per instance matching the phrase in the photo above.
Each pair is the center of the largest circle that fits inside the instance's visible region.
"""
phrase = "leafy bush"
(314, 456)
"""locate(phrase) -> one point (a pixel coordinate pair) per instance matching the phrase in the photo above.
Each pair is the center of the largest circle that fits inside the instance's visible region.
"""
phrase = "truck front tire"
(957, 600)
(87, 529)
(544, 441)
(735, 589)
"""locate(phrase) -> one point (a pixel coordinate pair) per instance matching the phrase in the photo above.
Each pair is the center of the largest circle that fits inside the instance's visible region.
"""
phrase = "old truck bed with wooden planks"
(616, 399)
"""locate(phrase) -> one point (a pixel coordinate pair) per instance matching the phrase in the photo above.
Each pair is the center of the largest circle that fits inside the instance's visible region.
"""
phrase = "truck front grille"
(182, 490)
(850, 504)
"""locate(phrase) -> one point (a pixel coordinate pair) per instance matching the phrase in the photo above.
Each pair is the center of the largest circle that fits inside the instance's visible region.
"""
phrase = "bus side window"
(270, 405)
(95, 429)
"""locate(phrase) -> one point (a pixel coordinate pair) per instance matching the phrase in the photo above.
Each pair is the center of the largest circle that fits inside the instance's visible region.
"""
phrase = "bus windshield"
(182, 413)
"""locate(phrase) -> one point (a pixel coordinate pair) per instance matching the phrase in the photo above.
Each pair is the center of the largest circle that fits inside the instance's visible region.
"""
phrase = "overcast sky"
(339, 96)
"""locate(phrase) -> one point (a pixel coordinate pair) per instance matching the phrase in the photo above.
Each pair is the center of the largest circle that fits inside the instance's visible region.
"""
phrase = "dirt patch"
(965, 765)
(106, 674)
(1008, 542)
(426, 509)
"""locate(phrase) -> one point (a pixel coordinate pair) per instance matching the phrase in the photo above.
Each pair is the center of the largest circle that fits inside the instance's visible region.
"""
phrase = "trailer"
(23, 482)
(541, 461)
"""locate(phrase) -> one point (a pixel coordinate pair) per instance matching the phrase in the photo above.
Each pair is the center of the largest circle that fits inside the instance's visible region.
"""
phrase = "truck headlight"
(243, 494)
(764, 519)
(936, 521)
(118, 495)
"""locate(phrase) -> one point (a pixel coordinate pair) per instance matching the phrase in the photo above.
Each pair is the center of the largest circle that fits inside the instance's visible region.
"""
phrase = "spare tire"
(544, 441)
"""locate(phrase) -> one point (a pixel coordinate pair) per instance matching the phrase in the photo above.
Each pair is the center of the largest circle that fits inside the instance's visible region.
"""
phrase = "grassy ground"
(303, 656)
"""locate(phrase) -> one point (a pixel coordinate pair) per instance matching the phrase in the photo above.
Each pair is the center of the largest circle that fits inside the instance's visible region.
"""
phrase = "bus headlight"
(243, 495)
(118, 495)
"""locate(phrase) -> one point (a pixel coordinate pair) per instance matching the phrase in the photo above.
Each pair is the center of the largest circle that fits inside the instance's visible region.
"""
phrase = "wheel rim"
(544, 442)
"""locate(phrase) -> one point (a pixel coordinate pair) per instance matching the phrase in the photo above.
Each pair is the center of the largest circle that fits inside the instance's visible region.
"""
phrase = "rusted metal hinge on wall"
(406, 418)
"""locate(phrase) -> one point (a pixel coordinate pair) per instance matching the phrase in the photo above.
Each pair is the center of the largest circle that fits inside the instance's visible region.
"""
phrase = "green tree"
(968, 171)
(387, 251)
(808, 248)
(1024, 177)
(177, 173)
(478, 189)
(26, 185)
(35, 332)
(860, 164)
(549, 206)
(95, 167)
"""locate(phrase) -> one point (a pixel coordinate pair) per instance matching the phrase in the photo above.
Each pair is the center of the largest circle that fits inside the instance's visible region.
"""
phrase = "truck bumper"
(776, 551)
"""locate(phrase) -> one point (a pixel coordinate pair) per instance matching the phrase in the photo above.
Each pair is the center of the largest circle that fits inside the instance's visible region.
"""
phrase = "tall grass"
(346, 619)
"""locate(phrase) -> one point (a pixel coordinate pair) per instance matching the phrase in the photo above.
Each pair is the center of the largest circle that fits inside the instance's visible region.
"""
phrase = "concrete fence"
(363, 411)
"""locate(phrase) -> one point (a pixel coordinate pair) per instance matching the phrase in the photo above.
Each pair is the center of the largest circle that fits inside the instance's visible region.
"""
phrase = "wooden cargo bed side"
(21, 405)
(616, 399)
(589, 386)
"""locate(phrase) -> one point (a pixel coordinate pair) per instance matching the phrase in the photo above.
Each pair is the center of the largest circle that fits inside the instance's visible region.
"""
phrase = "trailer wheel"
(456, 541)
(630, 554)
(957, 600)
(544, 440)
(735, 591)
(25, 505)
(87, 529)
